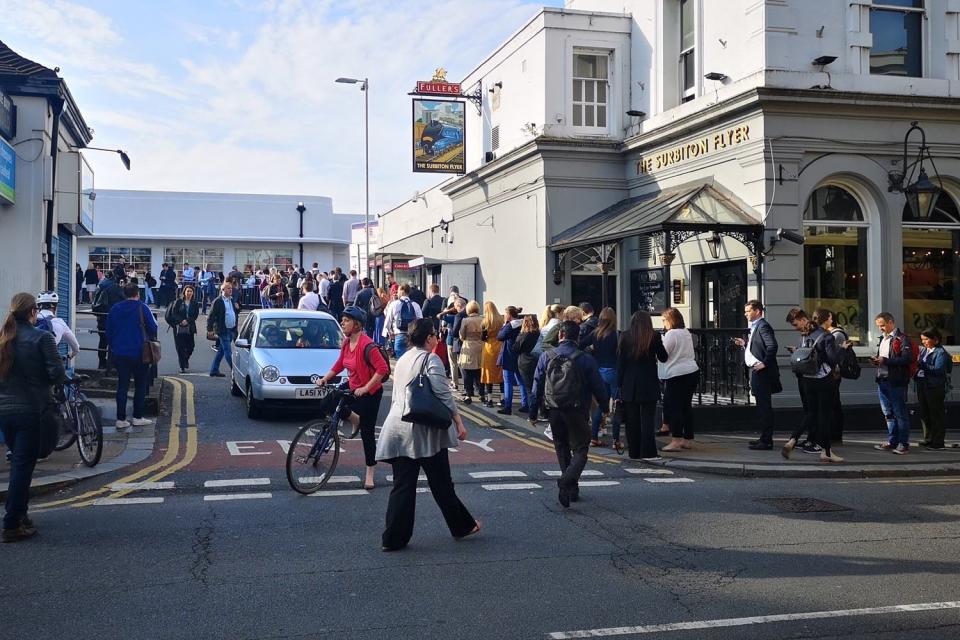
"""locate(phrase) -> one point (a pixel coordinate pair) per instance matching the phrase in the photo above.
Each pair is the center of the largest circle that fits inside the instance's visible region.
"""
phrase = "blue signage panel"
(8, 173)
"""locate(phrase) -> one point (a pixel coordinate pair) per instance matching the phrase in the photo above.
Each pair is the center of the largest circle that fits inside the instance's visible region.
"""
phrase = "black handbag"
(423, 405)
(51, 424)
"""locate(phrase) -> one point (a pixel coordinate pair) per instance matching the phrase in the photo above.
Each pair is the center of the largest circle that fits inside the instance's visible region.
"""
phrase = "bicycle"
(81, 421)
(309, 467)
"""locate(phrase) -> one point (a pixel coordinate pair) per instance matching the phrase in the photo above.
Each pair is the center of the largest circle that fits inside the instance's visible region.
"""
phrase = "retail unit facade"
(252, 232)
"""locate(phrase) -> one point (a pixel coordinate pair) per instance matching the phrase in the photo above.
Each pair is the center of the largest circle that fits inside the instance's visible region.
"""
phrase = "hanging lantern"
(713, 244)
(922, 196)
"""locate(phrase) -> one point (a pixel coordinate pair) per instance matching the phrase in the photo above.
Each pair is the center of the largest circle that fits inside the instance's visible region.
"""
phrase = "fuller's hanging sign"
(438, 85)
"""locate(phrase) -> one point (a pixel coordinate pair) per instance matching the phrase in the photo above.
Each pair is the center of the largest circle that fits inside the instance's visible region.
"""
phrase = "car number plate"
(309, 393)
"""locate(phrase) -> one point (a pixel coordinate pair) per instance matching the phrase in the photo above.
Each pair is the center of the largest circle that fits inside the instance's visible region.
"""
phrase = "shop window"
(835, 259)
(688, 62)
(931, 270)
(196, 256)
(590, 90)
(251, 260)
(106, 258)
(897, 29)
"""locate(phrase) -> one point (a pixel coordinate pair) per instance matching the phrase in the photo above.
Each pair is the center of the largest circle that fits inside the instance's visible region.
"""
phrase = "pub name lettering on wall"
(700, 147)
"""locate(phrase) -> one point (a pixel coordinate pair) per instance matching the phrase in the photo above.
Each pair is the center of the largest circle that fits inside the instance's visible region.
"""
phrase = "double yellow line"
(484, 421)
(166, 466)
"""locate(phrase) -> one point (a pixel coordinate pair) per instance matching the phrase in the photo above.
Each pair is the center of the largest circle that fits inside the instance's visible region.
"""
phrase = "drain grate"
(803, 505)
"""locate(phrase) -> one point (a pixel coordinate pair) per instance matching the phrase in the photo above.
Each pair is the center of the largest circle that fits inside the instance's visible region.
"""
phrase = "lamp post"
(364, 86)
(301, 208)
(921, 195)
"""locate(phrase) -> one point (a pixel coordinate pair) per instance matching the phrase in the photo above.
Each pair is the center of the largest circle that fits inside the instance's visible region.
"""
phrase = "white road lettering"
(483, 444)
(235, 447)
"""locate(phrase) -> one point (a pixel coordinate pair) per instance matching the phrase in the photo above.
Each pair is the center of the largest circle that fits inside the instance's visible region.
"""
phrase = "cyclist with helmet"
(47, 318)
(366, 369)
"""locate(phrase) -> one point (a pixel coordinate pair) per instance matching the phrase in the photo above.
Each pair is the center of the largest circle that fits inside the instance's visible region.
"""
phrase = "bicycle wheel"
(68, 428)
(90, 434)
(313, 456)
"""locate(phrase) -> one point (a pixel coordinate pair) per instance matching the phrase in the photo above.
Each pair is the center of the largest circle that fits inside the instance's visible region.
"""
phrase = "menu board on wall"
(646, 290)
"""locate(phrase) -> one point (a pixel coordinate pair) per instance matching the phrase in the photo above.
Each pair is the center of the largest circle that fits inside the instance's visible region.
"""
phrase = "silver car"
(280, 353)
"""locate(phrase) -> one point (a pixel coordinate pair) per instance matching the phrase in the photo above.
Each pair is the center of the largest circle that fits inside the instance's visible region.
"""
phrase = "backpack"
(101, 301)
(44, 323)
(407, 315)
(896, 347)
(805, 361)
(848, 367)
(375, 306)
(563, 388)
(383, 353)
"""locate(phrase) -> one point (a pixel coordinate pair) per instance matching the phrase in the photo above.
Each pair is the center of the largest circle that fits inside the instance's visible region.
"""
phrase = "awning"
(424, 261)
(693, 208)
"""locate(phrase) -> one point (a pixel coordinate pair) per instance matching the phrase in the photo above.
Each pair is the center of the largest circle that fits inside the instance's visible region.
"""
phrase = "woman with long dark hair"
(183, 316)
(528, 347)
(639, 350)
(602, 344)
(29, 367)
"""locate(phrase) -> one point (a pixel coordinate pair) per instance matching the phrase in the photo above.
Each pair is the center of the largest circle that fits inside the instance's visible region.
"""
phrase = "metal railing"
(723, 376)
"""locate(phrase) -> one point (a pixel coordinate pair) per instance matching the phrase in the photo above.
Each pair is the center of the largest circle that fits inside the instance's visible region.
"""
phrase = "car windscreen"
(298, 333)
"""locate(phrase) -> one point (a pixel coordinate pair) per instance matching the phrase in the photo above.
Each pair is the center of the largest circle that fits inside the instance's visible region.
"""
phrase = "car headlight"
(270, 373)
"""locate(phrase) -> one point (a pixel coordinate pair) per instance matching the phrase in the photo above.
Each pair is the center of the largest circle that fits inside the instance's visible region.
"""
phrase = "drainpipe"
(51, 267)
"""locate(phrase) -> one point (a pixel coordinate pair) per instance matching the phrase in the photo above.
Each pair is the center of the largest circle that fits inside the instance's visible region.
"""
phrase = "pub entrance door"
(723, 294)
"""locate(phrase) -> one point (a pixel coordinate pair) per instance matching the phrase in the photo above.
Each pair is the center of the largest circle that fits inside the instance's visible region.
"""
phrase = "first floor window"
(688, 41)
(251, 260)
(897, 30)
(835, 259)
(590, 78)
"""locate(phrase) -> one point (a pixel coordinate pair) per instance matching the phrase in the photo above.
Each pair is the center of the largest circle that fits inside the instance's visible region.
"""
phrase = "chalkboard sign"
(646, 290)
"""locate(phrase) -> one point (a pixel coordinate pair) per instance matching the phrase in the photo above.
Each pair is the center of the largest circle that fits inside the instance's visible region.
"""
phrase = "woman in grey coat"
(409, 447)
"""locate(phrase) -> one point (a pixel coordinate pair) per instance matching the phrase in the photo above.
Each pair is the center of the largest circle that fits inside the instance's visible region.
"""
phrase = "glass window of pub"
(931, 270)
(835, 259)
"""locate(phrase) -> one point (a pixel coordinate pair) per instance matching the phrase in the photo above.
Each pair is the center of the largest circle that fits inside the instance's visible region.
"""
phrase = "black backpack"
(383, 353)
(806, 361)
(847, 367)
(563, 387)
(407, 314)
(101, 300)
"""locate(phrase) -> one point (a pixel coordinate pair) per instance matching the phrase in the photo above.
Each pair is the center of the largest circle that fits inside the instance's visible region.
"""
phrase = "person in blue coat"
(507, 360)
(128, 324)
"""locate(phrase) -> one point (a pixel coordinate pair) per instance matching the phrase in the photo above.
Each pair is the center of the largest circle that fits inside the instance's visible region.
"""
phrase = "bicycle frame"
(325, 441)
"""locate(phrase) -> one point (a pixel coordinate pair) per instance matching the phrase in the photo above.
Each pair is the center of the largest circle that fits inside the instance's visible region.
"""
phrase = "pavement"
(727, 454)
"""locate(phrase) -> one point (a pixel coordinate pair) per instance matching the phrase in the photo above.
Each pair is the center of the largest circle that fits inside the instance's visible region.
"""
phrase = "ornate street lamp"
(922, 194)
(713, 244)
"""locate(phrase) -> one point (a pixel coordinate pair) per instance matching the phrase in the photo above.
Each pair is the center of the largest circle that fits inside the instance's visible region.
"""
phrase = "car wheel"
(235, 389)
(253, 407)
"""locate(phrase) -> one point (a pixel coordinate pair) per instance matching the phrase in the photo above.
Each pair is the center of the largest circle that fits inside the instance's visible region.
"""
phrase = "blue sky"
(238, 95)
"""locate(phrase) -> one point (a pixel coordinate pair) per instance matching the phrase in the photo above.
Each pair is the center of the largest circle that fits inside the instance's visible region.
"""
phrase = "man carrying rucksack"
(896, 363)
(399, 314)
(564, 381)
(108, 294)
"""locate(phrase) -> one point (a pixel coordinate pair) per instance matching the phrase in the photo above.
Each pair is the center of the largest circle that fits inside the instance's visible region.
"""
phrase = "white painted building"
(617, 137)
(45, 207)
(252, 232)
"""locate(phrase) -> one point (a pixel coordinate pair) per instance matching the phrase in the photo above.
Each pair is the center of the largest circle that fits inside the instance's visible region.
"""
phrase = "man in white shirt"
(189, 274)
(308, 299)
(398, 316)
(48, 301)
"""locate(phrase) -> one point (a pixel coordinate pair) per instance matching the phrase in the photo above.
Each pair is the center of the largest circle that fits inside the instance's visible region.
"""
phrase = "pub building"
(598, 170)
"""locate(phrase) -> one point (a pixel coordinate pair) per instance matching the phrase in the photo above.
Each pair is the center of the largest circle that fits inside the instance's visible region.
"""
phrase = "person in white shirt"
(308, 299)
(189, 274)
(48, 301)
(397, 318)
(681, 376)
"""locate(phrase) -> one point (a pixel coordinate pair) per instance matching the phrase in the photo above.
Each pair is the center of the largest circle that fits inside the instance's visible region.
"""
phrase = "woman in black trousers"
(640, 349)
(183, 321)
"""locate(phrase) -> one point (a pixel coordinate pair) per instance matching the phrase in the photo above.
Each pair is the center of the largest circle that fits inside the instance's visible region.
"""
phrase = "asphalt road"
(641, 549)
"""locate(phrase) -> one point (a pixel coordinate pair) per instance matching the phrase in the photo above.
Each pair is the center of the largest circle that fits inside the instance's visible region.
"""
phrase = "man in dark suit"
(760, 356)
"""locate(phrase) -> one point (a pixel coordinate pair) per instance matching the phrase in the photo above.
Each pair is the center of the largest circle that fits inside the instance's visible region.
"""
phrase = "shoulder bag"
(423, 405)
(150, 352)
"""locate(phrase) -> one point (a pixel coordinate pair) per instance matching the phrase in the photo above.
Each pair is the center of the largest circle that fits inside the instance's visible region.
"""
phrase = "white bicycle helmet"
(48, 297)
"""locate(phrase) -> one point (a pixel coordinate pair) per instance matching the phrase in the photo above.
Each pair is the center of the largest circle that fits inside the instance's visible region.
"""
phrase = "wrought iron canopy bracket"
(476, 98)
